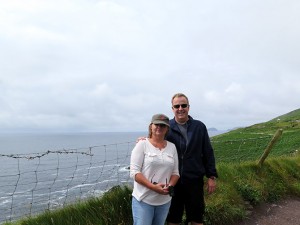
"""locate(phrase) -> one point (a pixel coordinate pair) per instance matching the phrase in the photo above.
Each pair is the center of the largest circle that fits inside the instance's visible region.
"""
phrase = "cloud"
(110, 65)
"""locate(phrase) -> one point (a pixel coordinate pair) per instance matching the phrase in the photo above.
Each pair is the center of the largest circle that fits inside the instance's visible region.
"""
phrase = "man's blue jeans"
(145, 214)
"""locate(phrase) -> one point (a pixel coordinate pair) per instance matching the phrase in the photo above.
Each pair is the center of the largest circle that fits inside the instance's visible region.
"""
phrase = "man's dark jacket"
(196, 159)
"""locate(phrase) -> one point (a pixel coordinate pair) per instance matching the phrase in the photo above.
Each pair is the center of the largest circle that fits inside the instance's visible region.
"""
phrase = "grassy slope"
(249, 142)
(244, 184)
(240, 182)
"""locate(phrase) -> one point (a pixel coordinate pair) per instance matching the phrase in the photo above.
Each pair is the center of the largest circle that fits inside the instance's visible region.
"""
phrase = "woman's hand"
(160, 188)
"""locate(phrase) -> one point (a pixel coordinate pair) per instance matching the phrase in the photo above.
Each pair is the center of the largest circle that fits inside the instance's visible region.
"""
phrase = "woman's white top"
(156, 166)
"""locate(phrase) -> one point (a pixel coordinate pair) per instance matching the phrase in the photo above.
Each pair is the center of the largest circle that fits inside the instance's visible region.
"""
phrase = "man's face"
(181, 109)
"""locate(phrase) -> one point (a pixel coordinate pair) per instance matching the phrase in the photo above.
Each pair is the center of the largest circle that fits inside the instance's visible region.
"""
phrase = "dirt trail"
(285, 212)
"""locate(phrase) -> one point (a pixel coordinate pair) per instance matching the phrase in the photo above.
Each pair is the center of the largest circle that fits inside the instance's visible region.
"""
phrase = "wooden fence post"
(275, 138)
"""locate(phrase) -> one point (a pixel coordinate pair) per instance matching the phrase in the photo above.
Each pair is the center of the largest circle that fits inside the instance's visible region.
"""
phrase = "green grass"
(248, 144)
(114, 207)
(241, 181)
(241, 184)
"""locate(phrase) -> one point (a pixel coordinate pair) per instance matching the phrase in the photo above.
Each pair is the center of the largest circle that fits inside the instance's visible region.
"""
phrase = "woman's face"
(159, 129)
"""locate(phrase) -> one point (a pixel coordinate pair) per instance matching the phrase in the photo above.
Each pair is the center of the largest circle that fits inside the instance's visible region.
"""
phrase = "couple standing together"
(168, 169)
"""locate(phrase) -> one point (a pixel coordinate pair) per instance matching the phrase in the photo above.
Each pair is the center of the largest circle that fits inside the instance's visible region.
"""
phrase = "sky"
(106, 66)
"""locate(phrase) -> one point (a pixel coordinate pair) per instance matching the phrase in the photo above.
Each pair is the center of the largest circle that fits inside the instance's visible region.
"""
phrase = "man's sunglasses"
(182, 106)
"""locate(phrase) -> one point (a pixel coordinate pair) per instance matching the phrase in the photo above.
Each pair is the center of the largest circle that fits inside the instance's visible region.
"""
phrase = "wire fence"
(240, 149)
(33, 183)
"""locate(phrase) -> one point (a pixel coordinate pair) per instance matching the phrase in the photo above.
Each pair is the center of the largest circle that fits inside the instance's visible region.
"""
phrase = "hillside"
(292, 116)
(251, 141)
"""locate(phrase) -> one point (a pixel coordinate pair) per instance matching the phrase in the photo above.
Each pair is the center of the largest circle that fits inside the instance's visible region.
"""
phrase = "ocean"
(41, 171)
(24, 143)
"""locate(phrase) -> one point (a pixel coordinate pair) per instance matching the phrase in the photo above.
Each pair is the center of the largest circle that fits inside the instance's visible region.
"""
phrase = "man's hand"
(211, 185)
(140, 139)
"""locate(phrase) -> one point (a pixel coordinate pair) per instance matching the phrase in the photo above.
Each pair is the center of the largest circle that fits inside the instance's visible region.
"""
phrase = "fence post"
(275, 138)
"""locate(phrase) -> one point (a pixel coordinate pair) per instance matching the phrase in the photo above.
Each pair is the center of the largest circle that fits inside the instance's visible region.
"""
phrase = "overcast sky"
(87, 65)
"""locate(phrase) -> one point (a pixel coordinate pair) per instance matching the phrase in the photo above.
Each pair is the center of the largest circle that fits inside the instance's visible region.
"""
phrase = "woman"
(154, 168)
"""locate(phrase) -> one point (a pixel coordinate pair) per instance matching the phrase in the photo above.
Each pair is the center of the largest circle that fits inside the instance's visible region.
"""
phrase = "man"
(196, 160)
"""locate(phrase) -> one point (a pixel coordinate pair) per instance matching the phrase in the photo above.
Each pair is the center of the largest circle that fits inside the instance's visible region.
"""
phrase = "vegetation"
(241, 181)
(242, 184)
(248, 144)
(114, 207)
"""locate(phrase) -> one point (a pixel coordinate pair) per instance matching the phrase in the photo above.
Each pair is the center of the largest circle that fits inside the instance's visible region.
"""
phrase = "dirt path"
(285, 212)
